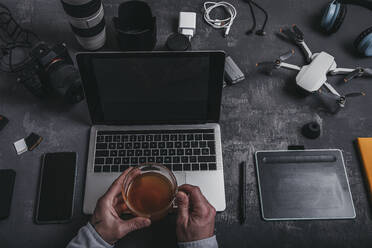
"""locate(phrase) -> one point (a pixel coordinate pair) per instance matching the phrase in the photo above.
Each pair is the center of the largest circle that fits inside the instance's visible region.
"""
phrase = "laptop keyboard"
(178, 150)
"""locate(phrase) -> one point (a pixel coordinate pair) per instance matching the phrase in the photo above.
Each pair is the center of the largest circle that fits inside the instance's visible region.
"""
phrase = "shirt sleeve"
(203, 243)
(88, 237)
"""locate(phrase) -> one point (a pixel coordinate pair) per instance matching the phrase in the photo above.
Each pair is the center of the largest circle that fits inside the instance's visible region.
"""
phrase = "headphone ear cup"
(329, 14)
(363, 43)
(339, 19)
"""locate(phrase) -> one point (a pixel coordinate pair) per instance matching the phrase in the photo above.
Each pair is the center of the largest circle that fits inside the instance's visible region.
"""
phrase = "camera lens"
(87, 21)
(65, 81)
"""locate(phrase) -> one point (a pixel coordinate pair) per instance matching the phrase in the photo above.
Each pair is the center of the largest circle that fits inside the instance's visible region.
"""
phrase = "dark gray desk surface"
(260, 113)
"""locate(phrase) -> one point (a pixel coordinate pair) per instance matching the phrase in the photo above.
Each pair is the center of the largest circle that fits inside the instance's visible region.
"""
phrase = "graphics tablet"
(303, 185)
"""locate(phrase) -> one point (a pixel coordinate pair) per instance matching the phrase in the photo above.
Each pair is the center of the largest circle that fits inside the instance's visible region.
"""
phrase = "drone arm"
(298, 37)
(289, 66)
(341, 71)
(352, 73)
(306, 50)
(331, 89)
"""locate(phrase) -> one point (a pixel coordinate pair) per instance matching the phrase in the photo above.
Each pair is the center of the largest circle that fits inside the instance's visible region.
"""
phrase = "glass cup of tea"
(149, 190)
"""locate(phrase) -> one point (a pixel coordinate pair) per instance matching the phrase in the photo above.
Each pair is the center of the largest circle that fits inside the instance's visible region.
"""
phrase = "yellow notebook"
(365, 148)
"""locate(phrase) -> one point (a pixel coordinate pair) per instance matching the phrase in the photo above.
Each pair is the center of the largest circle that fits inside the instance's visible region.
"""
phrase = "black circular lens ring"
(84, 10)
(178, 42)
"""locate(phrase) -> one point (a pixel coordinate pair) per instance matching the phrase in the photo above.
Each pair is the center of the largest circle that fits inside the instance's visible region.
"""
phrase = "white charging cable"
(217, 23)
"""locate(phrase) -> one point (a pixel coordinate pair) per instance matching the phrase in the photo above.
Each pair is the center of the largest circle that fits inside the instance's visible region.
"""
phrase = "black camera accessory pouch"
(135, 26)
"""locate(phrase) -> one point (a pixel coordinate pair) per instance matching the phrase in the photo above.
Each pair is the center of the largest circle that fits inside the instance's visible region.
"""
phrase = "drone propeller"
(267, 64)
(358, 73)
(298, 33)
(330, 101)
(270, 65)
(293, 33)
(334, 102)
(354, 94)
(368, 71)
(352, 75)
(342, 99)
(286, 55)
(288, 32)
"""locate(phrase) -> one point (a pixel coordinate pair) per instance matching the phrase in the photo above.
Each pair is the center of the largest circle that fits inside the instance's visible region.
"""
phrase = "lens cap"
(178, 42)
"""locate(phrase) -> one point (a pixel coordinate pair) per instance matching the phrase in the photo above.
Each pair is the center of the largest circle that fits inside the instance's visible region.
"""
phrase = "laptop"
(154, 107)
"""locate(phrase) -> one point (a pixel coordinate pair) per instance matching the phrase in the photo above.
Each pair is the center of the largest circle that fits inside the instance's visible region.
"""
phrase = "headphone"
(334, 15)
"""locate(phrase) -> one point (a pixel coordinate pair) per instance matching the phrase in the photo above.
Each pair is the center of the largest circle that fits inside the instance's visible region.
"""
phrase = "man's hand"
(106, 218)
(195, 219)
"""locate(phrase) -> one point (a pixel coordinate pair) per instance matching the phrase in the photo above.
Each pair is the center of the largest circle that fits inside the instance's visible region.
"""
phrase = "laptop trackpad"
(211, 184)
(181, 177)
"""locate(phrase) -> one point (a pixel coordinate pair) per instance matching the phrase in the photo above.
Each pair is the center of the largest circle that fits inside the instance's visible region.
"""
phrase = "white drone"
(313, 76)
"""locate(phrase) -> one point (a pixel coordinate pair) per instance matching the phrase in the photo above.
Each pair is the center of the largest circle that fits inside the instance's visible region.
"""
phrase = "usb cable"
(217, 23)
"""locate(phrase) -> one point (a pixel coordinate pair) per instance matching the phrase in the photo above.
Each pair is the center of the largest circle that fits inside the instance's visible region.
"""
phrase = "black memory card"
(32, 141)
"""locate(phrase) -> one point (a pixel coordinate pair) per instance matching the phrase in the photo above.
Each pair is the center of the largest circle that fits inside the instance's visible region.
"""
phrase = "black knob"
(311, 130)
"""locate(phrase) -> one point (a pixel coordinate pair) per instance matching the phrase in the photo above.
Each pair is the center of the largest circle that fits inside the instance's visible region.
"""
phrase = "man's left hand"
(106, 219)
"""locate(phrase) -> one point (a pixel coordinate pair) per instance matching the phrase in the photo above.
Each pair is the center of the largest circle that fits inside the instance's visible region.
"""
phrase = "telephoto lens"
(87, 21)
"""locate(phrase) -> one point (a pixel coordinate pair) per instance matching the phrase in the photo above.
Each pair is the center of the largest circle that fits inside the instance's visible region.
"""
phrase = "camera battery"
(233, 74)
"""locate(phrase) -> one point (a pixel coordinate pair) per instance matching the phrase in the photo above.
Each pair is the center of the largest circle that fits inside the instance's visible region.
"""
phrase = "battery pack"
(233, 74)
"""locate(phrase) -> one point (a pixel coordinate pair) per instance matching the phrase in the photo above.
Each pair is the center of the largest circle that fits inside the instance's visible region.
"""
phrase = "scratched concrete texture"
(260, 113)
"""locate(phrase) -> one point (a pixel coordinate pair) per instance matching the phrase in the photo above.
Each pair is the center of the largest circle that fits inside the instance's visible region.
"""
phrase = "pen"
(243, 170)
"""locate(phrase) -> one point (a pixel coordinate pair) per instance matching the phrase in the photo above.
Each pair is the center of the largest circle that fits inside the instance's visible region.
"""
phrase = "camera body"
(50, 70)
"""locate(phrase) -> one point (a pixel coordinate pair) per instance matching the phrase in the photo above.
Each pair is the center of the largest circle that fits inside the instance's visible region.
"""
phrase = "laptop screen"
(153, 87)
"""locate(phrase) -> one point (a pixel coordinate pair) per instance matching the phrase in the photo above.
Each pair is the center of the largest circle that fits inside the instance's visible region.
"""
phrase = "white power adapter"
(187, 24)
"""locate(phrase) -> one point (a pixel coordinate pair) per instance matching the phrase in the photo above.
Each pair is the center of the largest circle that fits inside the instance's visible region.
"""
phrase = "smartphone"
(56, 188)
(7, 178)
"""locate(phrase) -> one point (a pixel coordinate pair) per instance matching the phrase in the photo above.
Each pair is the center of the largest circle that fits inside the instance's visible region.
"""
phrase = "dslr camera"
(49, 71)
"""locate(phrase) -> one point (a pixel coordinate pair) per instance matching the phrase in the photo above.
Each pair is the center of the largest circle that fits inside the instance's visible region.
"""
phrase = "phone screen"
(56, 190)
(7, 178)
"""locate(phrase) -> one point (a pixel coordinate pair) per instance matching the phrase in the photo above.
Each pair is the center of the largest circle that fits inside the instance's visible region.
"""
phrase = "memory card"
(20, 146)
(33, 140)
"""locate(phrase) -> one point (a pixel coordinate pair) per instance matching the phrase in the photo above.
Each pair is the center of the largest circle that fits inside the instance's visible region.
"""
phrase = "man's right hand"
(195, 220)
